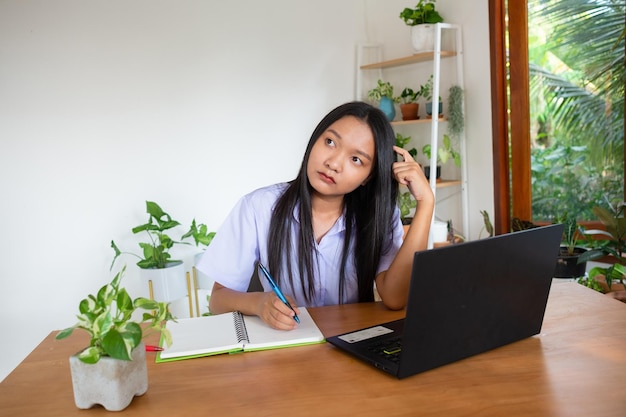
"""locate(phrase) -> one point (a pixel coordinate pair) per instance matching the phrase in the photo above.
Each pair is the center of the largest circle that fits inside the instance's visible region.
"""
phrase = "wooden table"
(575, 367)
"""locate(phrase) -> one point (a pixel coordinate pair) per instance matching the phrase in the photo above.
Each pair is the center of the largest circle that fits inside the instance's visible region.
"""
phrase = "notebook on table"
(464, 299)
(233, 332)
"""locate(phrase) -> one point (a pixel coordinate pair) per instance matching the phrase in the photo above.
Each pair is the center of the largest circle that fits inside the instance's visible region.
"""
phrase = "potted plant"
(409, 106)
(427, 92)
(610, 249)
(568, 263)
(405, 200)
(444, 153)
(421, 19)
(112, 369)
(163, 275)
(201, 237)
(383, 95)
(614, 242)
(456, 118)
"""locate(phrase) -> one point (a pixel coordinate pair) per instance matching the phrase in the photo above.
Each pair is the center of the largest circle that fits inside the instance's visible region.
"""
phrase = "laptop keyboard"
(389, 349)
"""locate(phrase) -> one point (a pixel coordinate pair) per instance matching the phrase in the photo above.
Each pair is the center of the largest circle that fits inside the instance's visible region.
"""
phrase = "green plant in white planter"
(164, 276)
(156, 251)
(420, 19)
(112, 369)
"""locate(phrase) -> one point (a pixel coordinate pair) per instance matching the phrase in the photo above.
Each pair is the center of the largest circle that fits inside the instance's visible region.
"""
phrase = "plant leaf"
(114, 345)
(90, 355)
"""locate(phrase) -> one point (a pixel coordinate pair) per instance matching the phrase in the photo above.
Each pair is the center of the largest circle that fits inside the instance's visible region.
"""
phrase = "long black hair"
(369, 209)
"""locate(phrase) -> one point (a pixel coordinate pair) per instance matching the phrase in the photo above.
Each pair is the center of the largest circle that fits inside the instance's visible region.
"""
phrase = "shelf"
(447, 183)
(414, 122)
(419, 57)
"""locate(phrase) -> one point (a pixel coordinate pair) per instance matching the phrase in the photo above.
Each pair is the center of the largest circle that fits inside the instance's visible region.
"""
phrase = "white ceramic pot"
(168, 284)
(423, 37)
(112, 383)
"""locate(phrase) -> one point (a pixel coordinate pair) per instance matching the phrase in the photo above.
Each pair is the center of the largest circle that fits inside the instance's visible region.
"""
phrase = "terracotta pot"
(409, 111)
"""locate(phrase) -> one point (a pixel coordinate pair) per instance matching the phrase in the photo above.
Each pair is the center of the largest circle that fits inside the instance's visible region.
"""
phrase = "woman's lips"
(326, 178)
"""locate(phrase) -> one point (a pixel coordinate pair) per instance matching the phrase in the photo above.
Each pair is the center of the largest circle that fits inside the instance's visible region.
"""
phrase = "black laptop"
(464, 299)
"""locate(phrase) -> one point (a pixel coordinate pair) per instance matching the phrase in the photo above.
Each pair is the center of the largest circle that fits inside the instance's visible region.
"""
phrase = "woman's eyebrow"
(358, 151)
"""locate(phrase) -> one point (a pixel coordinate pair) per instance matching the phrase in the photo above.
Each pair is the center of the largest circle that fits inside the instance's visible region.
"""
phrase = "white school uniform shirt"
(241, 242)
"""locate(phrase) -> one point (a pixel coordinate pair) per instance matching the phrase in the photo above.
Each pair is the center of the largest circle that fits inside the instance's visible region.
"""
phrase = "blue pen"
(277, 290)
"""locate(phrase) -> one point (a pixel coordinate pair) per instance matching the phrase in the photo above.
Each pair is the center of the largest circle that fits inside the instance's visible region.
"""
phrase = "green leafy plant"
(615, 272)
(426, 90)
(615, 234)
(488, 226)
(156, 251)
(200, 234)
(423, 12)
(382, 89)
(456, 119)
(572, 231)
(402, 141)
(406, 203)
(405, 200)
(107, 317)
(444, 152)
(409, 96)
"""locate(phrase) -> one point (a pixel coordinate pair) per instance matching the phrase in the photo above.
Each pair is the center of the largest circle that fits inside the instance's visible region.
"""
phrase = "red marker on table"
(151, 348)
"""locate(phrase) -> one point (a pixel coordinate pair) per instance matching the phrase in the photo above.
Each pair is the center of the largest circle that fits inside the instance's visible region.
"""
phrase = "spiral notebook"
(233, 332)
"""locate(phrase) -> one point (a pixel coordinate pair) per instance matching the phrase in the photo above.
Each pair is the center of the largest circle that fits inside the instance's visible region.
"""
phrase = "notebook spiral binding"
(240, 327)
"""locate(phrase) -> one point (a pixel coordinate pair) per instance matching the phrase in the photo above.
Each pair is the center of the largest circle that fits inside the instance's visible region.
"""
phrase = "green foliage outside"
(577, 78)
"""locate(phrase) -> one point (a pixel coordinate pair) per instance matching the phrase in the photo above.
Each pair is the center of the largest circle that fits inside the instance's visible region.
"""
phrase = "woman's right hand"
(276, 313)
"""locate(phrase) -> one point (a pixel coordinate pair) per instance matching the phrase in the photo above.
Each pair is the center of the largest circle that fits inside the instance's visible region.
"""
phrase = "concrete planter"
(112, 383)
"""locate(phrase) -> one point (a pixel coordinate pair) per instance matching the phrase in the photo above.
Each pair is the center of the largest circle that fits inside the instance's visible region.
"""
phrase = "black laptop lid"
(472, 297)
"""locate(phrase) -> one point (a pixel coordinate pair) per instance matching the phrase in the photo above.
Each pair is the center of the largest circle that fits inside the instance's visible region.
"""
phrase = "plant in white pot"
(112, 370)
(164, 276)
(421, 19)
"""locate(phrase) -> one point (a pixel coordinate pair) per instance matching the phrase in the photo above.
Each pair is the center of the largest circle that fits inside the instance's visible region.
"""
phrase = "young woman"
(331, 233)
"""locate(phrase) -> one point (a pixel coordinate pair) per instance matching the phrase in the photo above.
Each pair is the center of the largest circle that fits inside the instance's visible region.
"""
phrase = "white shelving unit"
(370, 59)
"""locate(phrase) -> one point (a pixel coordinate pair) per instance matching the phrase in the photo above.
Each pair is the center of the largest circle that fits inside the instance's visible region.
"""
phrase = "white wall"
(105, 104)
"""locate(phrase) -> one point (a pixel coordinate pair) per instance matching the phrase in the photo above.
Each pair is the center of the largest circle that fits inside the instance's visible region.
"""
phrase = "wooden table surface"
(576, 366)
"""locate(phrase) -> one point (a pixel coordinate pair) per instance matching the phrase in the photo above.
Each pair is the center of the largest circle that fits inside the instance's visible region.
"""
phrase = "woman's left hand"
(411, 174)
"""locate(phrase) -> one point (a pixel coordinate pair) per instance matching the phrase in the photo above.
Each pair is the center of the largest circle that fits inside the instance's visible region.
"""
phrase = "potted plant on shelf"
(383, 95)
(427, 92)
(456, 118)
(567, 262)
(112, 369)
(444, 153)
(409, 106)
(421, 19)
(406, 203)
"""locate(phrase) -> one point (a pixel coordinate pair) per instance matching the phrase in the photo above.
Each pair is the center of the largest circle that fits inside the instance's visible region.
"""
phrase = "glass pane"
(576, 56)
